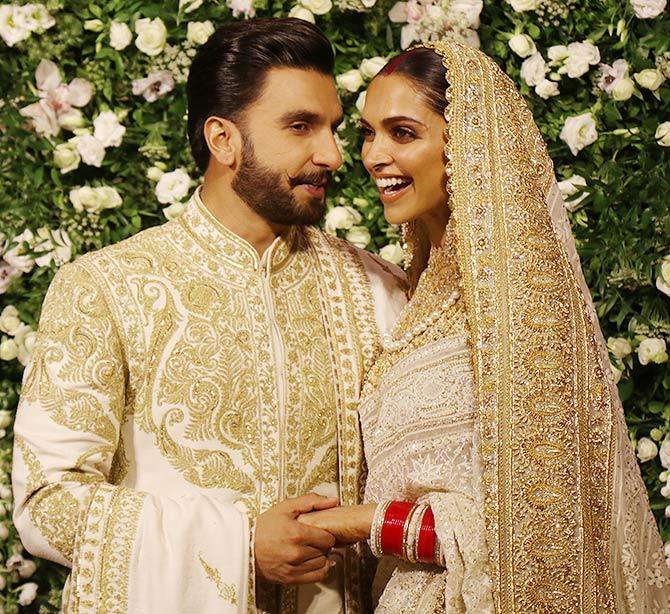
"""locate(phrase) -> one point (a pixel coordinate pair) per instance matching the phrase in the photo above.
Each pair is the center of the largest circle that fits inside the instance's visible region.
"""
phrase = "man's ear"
(224, 140)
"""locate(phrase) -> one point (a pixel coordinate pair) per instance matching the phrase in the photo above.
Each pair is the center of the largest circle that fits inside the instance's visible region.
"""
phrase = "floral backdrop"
(93, 149)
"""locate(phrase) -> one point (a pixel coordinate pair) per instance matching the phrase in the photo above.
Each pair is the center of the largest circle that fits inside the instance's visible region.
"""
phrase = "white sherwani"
(180, 386)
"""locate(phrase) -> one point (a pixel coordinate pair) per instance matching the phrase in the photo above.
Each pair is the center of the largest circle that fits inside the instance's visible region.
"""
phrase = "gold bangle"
(411, 542)
(375, 541)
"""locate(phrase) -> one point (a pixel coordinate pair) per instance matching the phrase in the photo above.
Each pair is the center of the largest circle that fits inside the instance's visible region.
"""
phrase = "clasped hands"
(293, 539)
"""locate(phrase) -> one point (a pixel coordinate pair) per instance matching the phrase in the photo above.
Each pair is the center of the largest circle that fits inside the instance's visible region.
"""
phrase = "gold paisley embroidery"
(226, 590)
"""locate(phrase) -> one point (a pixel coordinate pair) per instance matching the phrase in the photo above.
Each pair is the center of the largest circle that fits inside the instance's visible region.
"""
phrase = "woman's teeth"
(392, 184)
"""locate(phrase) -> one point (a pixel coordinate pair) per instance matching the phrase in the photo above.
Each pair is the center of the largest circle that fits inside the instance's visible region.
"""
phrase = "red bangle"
(392, 534)
(426, 542)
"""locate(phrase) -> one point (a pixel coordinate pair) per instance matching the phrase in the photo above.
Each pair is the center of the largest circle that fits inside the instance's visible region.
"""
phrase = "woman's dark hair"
(229, 70)
(424, 67)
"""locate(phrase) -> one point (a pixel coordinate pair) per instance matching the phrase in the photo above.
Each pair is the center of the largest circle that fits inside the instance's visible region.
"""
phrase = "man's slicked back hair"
(228, 72)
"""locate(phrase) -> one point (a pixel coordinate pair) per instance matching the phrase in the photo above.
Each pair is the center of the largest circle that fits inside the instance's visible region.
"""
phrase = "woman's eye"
(403, 133)
(366, 133)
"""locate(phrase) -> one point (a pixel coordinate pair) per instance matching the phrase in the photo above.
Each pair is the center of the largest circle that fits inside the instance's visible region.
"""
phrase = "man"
(190, 384)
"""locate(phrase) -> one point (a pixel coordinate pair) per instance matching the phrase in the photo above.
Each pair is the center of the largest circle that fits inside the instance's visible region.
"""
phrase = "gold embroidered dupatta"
(568, 522)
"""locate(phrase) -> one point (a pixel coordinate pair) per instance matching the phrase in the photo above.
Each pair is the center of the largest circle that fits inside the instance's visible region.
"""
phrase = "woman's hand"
(348, 523)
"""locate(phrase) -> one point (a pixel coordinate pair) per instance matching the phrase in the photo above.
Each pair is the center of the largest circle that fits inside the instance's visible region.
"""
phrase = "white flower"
(7, 274)
(10, 320)
(174, 211)
(623, 89)
(10, 31)
(27, 569)
(91, 150)
(189, 5)
(546, 89)
(27, 593)
(652, 350)
(108, 130)
(94, 25)
(71, 120)
(580, 57)
(662, 134)
(616, 373)
(359, 236)
(16, 256)
(664, 454)
(663, 280)
(66, 157)
(5, 418)
(646, 449)
(352, 80)
(94, 200)
(524, 5)
(318, 7)
(569, 187)
(341, 218)
(241, 7)
(151, 35)
(4, 534)
(172, 187)
(53, 246)
(393, 253)
(579, 131)
(44, 119)
(557, 53)
(371, 67)
(533, 69)
(522, 44)
(300, 12)
(8, 349)
(619, 347)
(648, 9)
(360, 101)
(154, 173)
(197, 32)
(120, 35)
(155, 86)
(610, 75)
(649, 78)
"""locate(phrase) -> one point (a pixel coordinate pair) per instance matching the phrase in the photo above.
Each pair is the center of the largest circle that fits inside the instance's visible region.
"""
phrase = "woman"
(490, 416)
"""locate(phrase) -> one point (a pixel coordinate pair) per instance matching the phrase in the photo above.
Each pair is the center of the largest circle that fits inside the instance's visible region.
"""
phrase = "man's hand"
(288, 551)
(348, 524)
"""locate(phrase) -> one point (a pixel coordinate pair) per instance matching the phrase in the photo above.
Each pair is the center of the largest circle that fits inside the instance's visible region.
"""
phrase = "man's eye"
(299, 127)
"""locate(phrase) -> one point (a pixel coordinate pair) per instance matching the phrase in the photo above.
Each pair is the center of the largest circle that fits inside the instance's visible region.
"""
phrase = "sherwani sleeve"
(129, 551)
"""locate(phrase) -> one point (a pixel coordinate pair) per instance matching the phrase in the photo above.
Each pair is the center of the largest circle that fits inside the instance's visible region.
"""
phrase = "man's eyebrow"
(309, 117)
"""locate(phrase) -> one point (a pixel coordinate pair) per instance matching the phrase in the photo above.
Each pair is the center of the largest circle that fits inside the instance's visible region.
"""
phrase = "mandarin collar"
(223, 243)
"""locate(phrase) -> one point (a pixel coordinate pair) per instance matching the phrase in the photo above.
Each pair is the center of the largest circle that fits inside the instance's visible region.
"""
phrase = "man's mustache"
(313, 178)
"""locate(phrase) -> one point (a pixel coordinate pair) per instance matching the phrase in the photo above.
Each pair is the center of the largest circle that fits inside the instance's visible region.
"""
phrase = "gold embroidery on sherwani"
(226, 590)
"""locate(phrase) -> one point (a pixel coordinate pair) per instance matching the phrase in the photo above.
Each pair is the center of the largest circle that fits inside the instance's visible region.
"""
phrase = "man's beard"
(262, 189)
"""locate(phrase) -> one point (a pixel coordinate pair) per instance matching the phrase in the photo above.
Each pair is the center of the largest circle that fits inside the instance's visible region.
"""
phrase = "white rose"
(663, 285)
(662, 134)
(8, 349)
(91, 150)
(646, 449)
(524, 5)
(569, 187)
(151, 35)
(27, 569)
(108, 197)
(579, 131)
(533, 69)
(623, 89)
(197, 32)
(4, 534)
(665, 491)
(341, 218)
(619, 347)
(300, 12)
(649, 78)
(665, 269)
(557, 53)
(189, 6)
(94, 25)
(580, 57)
(652, 350)
(66, 157)
(154, 173)
(522, 44)
(71, 120)
(648, 9)
(352, 80)
(664, 454)
(94, 200)
(360, 101)
(5, 418)
(393, 253)
(10, 320)
(174, 211)
(120, 35)
(27, 593)
(371, 67)
(173, 186)
(616, 373)
(26, 345)
(546, 89)
(359, 236)
(108, 130)
(318, 7)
